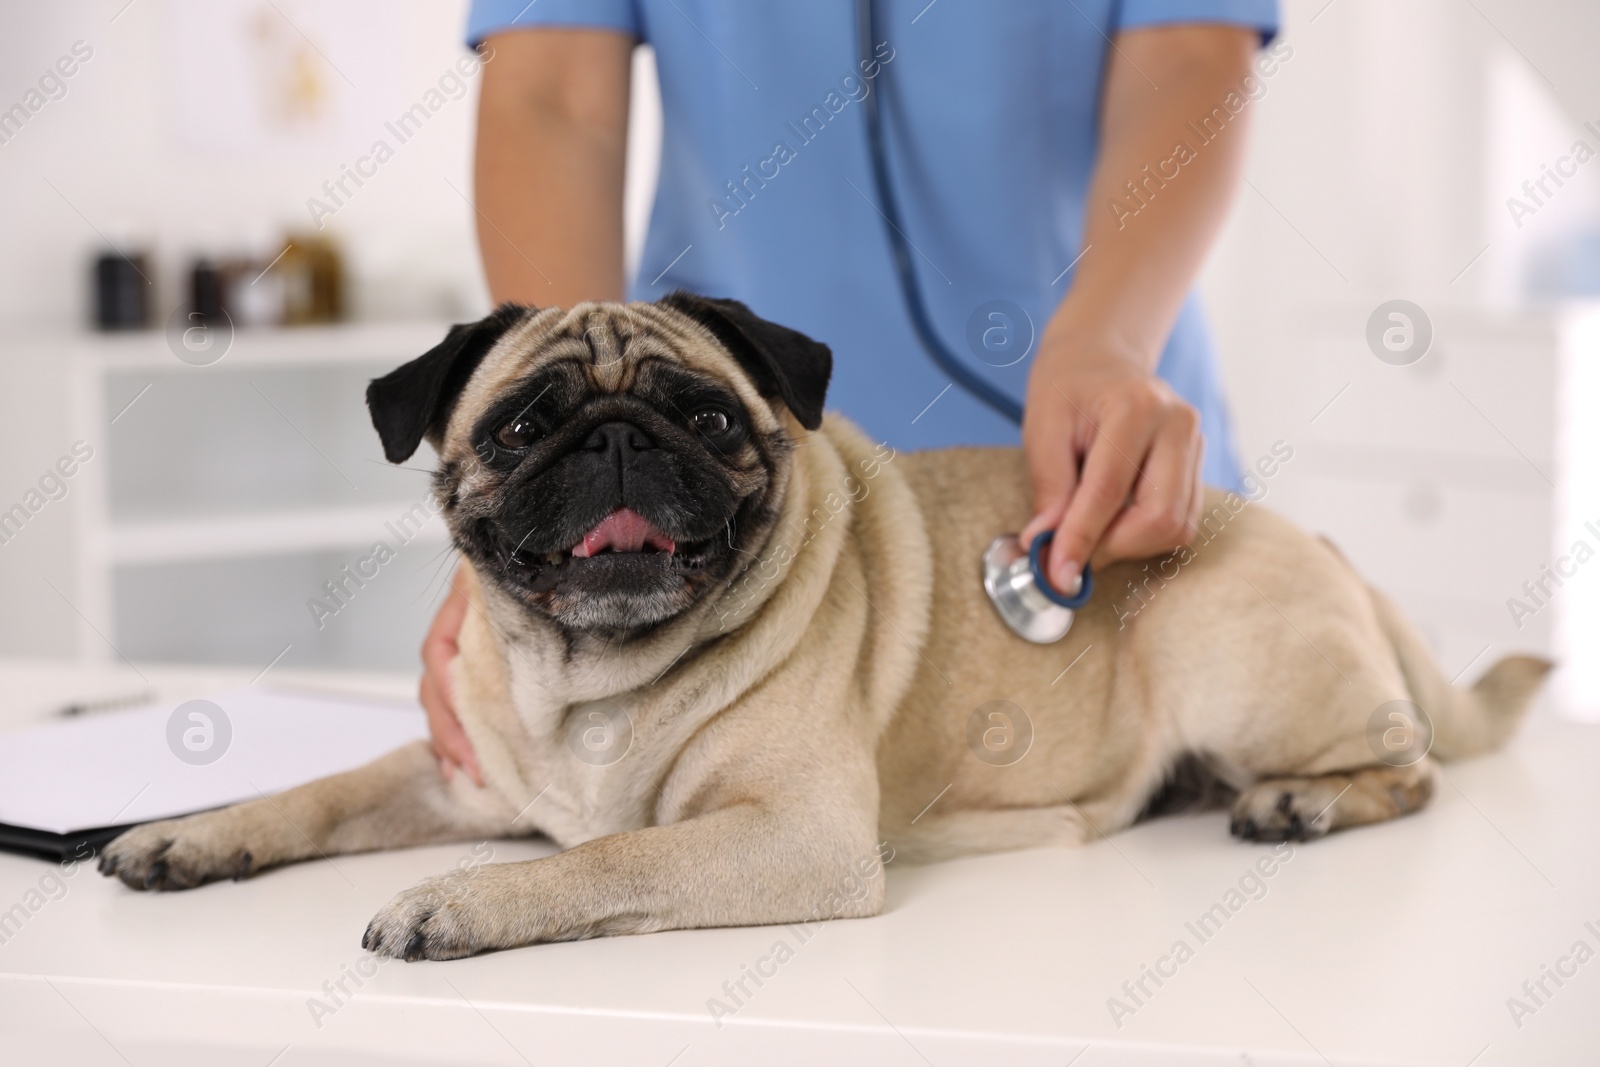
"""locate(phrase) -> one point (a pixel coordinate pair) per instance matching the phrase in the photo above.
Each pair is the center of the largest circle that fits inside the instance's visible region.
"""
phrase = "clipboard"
(69, 787)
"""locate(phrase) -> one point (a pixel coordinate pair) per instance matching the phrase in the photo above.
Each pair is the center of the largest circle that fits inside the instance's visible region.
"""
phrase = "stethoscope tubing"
(917, 309)
(894, 229)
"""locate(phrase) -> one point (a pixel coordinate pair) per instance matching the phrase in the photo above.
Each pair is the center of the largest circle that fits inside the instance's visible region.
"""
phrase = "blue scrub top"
(990, 111)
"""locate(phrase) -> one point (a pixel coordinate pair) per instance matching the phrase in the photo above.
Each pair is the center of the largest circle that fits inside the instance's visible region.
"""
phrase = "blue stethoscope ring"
(1025, 600)
(1042, 583)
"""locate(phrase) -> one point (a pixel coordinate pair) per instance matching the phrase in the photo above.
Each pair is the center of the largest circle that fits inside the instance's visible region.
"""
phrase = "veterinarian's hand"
(1114, 453)
(1115, 458)
(439, 650)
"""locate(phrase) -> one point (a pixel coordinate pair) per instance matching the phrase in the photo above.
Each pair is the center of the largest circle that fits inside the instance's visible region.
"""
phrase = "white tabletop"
(1395, 944)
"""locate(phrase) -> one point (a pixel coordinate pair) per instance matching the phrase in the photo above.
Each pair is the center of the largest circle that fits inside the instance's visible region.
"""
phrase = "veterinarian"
(1061, 170)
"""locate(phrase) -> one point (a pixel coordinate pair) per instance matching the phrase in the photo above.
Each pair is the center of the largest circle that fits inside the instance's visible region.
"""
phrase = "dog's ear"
(415, 401)
(782, 362)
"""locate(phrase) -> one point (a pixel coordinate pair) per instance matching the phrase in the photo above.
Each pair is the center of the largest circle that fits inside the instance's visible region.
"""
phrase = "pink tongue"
(624, 530)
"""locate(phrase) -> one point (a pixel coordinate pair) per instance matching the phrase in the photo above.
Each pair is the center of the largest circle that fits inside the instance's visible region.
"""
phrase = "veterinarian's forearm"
(552, 141)
(1142, 257)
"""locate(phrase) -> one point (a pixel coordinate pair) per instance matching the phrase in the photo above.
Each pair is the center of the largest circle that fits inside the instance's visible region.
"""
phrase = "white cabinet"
(225, 500)
(1436, 479)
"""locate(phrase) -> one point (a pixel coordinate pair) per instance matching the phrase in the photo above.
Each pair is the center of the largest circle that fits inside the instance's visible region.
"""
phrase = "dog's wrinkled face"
(608, 466)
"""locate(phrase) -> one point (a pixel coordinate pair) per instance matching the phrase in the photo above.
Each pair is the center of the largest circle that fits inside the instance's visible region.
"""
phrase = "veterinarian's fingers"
(1109, 470)
(433, 706)
(1158, 520)
(1046, 519)
(439, 650)
(428, 696)
(1055, 476)
(450, 742)
(1197, 501)
(1054, 432)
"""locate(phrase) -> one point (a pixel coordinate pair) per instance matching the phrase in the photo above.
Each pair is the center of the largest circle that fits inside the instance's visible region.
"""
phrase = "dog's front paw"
(444, 918)
(176, 854)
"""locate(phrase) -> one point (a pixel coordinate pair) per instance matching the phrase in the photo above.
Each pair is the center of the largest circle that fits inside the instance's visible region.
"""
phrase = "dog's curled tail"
(1466, 722)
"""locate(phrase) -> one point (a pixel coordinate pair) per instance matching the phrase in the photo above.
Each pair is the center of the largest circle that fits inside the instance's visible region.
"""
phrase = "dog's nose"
(618, 439)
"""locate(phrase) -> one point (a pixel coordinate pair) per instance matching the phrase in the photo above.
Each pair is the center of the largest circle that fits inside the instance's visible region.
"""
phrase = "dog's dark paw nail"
(158, 872)
(368, 940)
(241, 870)
(413, 950)
(1297, 828)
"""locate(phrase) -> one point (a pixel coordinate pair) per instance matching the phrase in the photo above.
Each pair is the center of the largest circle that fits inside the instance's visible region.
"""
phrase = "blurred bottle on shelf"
(122, 295)
(206, 292)
(313, 280)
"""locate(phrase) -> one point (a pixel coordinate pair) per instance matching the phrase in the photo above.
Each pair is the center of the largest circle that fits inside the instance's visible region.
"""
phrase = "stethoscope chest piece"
(1014, 579)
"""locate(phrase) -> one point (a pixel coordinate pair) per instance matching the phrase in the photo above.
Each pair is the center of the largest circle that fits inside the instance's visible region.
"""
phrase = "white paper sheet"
(110, 768)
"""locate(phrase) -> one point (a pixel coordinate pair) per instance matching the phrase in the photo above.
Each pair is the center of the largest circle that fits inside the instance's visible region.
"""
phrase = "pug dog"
(727, 652)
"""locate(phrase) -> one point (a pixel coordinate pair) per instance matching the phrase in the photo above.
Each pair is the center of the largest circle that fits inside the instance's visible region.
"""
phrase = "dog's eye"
(518, 433)
(713, 422)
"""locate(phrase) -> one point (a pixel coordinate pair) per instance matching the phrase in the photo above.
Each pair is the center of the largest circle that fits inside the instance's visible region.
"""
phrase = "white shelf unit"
(251, 461)
(1437, 480)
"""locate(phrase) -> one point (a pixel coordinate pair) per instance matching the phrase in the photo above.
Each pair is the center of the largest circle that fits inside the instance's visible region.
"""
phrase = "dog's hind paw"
(1304, 809)
(1284, 809)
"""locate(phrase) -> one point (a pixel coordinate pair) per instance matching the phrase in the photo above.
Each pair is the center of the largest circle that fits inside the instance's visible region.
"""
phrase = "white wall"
(1376, 171)
(1381, 163)
(116, 150)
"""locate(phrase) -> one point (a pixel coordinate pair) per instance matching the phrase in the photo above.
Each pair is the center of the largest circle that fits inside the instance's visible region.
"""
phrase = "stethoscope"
(1013, 577)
